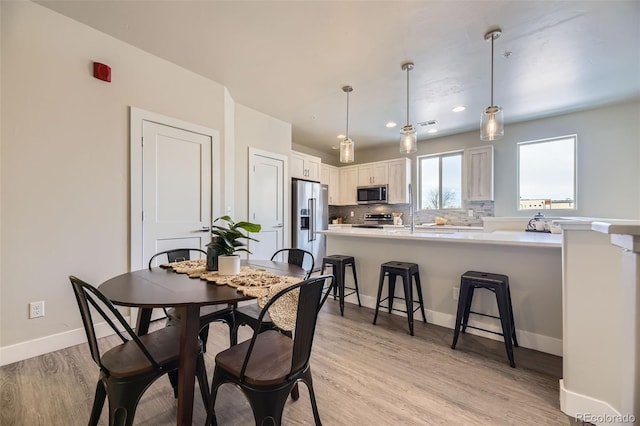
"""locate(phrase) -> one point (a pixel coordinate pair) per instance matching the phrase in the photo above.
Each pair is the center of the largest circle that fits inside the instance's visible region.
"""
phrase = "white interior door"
(176, 180)
(267, 196)
(176, 188)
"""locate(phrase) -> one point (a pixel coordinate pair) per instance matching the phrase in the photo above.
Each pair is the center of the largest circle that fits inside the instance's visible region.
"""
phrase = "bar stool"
(339, 263)
(499, 285)
(407, 271)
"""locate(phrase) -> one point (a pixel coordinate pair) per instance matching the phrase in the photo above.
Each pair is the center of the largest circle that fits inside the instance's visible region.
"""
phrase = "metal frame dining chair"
(270, 364)
(248, 314)
(128, 369)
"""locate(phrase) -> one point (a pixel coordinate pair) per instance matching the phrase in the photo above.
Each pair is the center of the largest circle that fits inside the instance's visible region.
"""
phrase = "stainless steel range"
(375, 220)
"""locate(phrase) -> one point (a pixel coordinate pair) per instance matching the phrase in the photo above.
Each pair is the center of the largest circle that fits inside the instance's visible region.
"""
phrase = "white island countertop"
(508, 238)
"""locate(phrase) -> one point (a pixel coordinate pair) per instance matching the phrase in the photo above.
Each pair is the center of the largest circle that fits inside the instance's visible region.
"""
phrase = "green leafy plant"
(226, 239)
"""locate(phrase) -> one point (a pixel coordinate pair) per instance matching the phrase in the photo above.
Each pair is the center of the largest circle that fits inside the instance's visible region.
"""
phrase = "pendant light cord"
(347, 114)
(408, 95)
(492, 38)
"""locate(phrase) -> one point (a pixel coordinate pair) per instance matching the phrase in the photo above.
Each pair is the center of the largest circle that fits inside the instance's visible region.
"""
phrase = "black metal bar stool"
(499, 285)
(339, 263)
(407, 271)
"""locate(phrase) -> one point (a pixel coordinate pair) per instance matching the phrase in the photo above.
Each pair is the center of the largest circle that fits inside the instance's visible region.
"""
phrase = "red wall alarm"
(102, 71)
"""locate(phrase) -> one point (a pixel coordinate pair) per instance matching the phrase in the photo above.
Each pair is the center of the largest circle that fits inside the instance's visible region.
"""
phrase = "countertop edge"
(549, 241)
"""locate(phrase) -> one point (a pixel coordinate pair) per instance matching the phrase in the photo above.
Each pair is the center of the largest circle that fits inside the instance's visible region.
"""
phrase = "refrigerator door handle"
(312, 217)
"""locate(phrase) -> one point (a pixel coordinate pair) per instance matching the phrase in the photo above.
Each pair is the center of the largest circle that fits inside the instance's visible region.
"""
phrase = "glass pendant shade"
(346, 146)
(491, 124)
(346, 151)
(492, 119)
(408, 140)
(408, 135)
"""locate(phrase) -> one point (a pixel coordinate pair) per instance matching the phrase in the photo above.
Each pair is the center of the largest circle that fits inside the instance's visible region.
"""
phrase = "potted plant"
(226, 240)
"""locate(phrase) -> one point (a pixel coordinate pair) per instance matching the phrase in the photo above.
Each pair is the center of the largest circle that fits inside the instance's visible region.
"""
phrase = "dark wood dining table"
(159, 287)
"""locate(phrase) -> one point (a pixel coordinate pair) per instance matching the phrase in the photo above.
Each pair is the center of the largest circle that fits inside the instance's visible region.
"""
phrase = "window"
(547, 174)
(440, 181)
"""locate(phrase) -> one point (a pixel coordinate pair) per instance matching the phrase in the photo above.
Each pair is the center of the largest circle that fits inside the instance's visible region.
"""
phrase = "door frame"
(286, 191)
(137, 117)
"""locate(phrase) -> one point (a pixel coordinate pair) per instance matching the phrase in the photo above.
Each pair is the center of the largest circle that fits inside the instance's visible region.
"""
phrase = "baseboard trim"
(43, 345)
(591, 410)
(526, 339)
(32, 348)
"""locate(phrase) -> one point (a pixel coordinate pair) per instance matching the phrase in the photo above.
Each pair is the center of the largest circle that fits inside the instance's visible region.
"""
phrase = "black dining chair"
(270, 364)
(248, 314)
(128, 369)
(208, 314)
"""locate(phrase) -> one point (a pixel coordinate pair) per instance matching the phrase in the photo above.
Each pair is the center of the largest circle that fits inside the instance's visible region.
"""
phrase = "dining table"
(162, 287)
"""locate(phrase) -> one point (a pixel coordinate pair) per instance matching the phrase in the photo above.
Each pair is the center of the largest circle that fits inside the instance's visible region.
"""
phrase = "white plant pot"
(229, 265)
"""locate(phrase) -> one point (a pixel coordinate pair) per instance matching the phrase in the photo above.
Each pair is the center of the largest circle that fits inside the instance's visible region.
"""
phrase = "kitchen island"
(533, 262)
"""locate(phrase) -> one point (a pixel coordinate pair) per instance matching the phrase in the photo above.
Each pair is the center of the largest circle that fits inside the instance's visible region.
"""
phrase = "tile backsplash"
(458, 217)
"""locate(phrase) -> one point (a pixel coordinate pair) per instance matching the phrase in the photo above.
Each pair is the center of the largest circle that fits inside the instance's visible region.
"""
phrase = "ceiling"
(290, 59)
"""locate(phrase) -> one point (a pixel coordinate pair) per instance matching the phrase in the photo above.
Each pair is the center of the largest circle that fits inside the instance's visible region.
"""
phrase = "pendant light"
(346, 146)
(492, 120)
(408, 135)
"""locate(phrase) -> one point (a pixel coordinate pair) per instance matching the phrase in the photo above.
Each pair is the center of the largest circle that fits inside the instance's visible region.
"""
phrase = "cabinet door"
(478, 168)
(330, 176)
(305, 166)
(325, 170)
(364, 175)
(380, 173)
(348, 183)
(313, 169)
(399, 178)
(373, 174)
(334, 186)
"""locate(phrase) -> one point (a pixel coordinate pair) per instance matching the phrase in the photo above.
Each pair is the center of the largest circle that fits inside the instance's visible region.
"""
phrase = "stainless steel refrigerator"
(310, 213)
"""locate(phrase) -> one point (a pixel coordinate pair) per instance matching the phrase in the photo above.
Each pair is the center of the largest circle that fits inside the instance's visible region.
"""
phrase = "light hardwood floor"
(363, 375)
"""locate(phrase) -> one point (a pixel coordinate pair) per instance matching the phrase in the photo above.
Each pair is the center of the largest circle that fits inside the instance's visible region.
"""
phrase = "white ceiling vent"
(428, 123)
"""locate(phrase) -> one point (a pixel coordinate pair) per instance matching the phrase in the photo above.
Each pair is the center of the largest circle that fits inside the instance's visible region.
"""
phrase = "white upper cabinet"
(305, 166)
(399, 179)
(478, 173)
(330, 176)
(373, 174)
(348, 183)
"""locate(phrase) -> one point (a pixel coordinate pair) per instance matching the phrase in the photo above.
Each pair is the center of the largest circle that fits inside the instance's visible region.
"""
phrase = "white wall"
(608, 158)
(64, 159)
(257, 130)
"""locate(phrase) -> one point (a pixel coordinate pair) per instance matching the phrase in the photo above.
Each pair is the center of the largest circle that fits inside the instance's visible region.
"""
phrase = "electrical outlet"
(36, 309)
(470, 212)
(456, 293)
(351, 214)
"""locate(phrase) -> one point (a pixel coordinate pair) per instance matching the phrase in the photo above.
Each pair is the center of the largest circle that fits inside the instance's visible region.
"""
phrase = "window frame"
(419, 176)
(575, 171)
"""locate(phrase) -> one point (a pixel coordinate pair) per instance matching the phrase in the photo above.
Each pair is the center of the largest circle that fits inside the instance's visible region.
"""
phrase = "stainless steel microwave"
(376, 194)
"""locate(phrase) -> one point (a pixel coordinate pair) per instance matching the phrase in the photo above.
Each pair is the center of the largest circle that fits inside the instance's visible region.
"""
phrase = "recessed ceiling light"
(458, 109)
(340, 137)
(391, 124)
(334, 147)
(432, 131)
